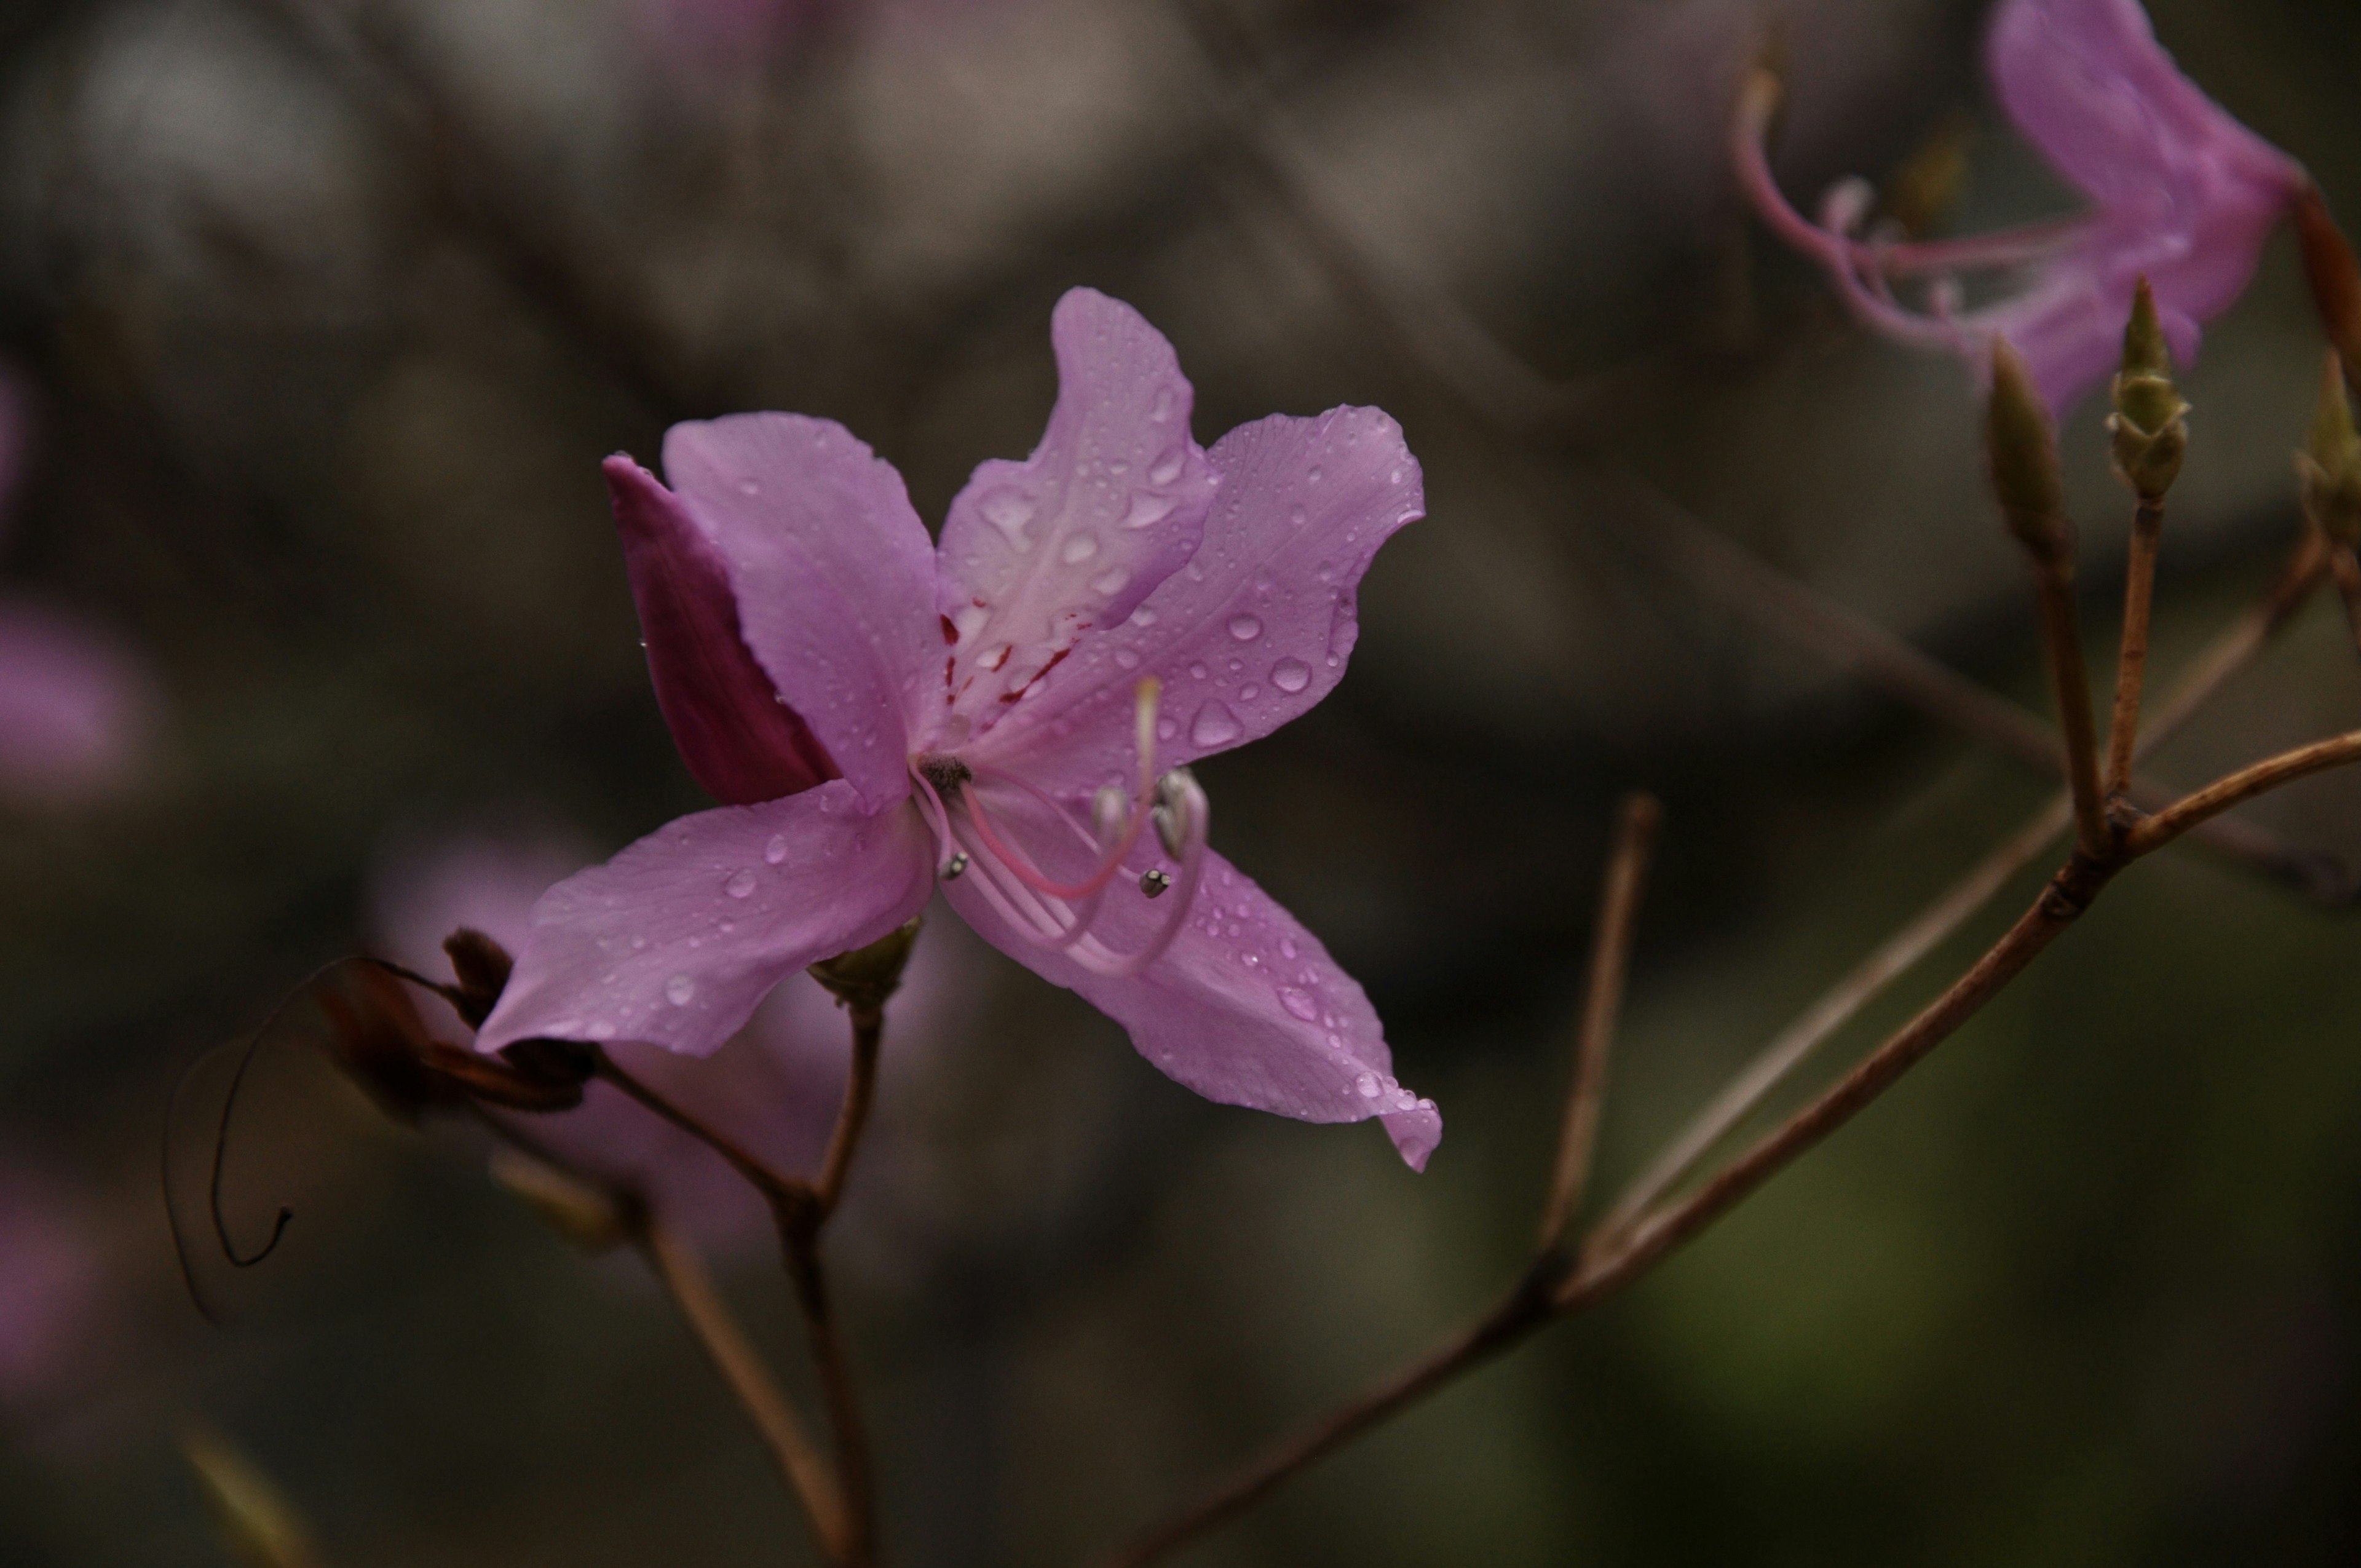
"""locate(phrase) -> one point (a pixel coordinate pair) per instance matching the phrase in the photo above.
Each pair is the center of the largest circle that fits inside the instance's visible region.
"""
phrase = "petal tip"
(1415, 1132)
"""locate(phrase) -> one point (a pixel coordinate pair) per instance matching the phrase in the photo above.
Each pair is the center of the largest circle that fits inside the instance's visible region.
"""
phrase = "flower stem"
(852, 1116)
(2131, 664)
(1610, 963)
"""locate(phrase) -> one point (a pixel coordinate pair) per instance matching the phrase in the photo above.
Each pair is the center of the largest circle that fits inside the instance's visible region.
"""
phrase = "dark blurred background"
(316, 317)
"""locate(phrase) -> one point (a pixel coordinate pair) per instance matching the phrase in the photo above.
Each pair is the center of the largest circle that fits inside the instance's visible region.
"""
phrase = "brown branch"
(1610, 962)
(2131, 664)
(2260, 778)
(1615, 1254)
(682, 1273)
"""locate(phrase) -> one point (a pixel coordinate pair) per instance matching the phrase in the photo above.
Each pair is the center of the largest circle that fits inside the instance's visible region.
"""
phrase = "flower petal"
(675, 940)
(1245, 1006)
(739, 738)
(1256, 630)
(834, 577)
(1109, 504)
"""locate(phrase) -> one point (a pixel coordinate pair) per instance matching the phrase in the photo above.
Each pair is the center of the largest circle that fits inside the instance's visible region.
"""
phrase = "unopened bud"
(866, 977)
(2150, 432)
(590, 1216)
(481, 967)
(257, 1522)
(2023, 452)
(2330, 468)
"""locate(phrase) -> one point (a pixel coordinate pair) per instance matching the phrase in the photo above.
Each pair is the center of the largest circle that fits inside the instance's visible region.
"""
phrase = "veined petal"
(674, 941)
(738, 736)
(833, 574)
(1255, 630)
(1113, 502)
(1245, 1006)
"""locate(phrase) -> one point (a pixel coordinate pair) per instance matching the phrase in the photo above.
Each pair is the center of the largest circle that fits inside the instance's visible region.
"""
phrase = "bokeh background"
(316, 316)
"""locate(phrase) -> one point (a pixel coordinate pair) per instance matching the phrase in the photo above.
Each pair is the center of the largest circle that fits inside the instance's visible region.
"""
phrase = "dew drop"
(749, 486)
(1297, 515)
(1298, 1003)
(1110, 581)
(1168, 467)
(1365, 1086)
(1248, 691)
(996, 657)
(1009, 512)
(1196, 670)
(1143, 617)
(1214, 726)
(1313, 475)
(1079, 549)
(1287, 946)
(680, 990)
(1148, 508)
(741, 885)
(1161, 409)
(970, 619)
(1167, 728)
(775, 850)
(1245, 628)
(1290, 675)
(1126, 659)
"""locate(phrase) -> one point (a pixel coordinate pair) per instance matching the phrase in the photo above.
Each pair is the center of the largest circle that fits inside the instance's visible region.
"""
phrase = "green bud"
(864, 978)
(2022, 451)
(2149, 433)
(2330, 468)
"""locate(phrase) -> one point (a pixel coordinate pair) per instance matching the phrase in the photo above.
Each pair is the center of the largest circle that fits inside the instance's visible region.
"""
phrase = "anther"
(1154, 882)
(954, 866)
(1170, 813)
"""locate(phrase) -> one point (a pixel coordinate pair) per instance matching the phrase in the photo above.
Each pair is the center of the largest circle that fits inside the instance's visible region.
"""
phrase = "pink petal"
(675, 940)
(1246, 1008)
(834, 576)
(76, 708)
(1109, 504)
(1256, 630)
(739, 740)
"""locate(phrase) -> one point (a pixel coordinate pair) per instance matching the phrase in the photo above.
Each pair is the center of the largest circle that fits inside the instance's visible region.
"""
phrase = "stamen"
(1155, 884)
(1112, 849)
(957, 865)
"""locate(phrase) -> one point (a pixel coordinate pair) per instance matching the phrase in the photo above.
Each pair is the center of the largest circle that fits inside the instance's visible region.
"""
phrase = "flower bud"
(2330, 468)
(481, 967)
(864, 978)
(2023, 452)
(2149, 433)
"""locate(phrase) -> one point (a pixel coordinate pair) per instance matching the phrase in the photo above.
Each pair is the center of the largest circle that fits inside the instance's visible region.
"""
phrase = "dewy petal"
(1113, 502)
(739, 738)
(675, 941)
(1255, 630)
(1245, 1006)
(834, 576)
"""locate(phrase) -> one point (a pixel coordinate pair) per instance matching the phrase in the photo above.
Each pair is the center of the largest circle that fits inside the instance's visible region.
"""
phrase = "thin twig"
(2131, 663)
(1610, 962)
(681, 1272)
(2154, 832)
(773, 1185)
(852, 1116)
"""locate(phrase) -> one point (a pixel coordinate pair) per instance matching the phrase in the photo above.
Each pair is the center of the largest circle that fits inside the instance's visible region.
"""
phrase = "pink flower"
(2180, 192)
(1008, 714)
(775, 1088)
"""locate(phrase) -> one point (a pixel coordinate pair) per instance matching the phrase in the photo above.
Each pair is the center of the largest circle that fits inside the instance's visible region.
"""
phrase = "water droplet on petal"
(1287, 946)
(1245, 628)
(1110, 581)
(1143, 617)
(1196, 670)
(1161, 409)
(1148, 508)
(1009, 512)
(1167, 728)
(1214, 726)
(1298, 516)
(1365, 1086)
(1298, 1003)
(996, 657)
(1126, 659)
(741, 885)
(775, 850)
(1314, 476)
(749, 486)
(1079, 549)
(1290, 675)
(1168, 467)
(680, 990)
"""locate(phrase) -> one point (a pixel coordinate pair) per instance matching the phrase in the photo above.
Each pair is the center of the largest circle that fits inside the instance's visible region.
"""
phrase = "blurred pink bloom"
(774, 1087)
(55, 1290)
(75, 704)
(2180, 192)
(75, 707)
(714, 38)
(876, 711)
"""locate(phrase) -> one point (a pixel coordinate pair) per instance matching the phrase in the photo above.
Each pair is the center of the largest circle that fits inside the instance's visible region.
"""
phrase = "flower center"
(973, 835)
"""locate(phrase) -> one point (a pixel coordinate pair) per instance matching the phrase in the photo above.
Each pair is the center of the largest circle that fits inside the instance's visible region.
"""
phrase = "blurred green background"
(324, 311)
